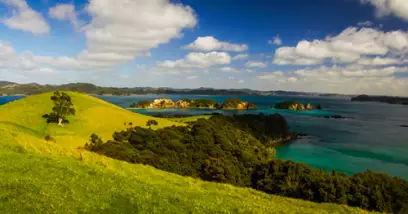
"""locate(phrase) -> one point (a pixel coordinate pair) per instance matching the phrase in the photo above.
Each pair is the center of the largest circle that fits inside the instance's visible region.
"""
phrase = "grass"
(189, 119)
(93, 116)
(45, 177)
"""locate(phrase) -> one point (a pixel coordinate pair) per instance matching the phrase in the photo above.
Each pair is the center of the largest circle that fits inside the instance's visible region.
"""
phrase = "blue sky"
(339, 46)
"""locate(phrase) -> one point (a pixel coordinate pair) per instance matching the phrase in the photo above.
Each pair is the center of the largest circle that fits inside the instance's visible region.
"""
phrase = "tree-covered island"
(230, 104)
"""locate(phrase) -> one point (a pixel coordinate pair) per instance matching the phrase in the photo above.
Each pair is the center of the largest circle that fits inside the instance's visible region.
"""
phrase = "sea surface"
(371, 138)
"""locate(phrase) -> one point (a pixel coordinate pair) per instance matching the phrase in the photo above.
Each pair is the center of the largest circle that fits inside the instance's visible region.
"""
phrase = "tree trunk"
(60, 122)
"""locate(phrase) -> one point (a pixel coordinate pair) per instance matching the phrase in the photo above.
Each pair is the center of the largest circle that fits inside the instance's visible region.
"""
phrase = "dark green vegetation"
(202, 103)
(141, 104)
(383, 99)
(368, 190)
(63, 107)
(222, 149)
(151, 123)
(238, 150)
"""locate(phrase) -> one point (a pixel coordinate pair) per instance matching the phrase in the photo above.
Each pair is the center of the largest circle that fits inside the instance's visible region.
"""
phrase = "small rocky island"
(296, 106)
(230, 104)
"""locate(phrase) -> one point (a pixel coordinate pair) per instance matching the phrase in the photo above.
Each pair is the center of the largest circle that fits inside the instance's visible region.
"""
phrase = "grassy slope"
(93, 116)
(44, 177)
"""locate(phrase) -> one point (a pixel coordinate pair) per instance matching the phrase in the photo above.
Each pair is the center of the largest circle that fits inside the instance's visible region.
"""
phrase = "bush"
(49, 138)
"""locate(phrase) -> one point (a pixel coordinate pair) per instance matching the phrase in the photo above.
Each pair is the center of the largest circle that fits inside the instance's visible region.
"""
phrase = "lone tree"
(151, 122)
(63, 107)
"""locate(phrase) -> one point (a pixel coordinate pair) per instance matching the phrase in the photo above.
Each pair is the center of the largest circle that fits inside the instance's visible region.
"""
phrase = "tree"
(151, 122)
(63, 107)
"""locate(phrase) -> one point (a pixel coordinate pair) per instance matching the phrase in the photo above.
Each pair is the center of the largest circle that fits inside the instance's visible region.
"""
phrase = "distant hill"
(5, 83)
(383, 99)
(33, 88)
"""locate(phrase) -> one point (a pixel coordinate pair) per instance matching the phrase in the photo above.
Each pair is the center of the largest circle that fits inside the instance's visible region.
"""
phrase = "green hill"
(38, 176)
(93, 116)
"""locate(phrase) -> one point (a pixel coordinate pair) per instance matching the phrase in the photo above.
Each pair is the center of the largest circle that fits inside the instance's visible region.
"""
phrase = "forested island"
(383, 99)
(296, 106)
(230, 104)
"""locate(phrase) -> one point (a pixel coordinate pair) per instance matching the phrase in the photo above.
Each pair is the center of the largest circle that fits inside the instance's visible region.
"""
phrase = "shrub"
(49, 138)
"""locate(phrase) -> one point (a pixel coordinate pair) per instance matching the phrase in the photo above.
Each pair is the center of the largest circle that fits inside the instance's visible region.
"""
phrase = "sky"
(330, 46)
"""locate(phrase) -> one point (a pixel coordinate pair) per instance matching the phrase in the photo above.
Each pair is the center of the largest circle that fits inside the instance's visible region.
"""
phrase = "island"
(383, 99)
(296, 106)
(230, 104)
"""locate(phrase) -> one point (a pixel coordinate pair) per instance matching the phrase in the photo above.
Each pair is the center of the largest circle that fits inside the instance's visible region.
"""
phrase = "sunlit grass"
(93, 116)
(189, 119)
(37, 176)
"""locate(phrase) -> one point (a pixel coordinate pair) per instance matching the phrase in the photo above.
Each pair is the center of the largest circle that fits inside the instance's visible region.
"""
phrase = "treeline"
(239, 150)
(384, 99)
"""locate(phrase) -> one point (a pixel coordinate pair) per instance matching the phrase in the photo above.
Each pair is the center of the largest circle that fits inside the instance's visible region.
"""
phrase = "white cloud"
(64, 12)
(256, 64)
(209, 43)
(241, 81)
(276, 41)
(334, 79)
(116, 35)
(229, 69)
(240, 57)
(378, 61)
(198, 60)
(398, 8)
(349, 46)
(191, 77)
(25, 18)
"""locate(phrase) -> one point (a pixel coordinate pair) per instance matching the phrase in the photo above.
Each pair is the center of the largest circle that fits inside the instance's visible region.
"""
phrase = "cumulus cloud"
(397, 8)
(64, 12)
(191, 77)
(209, 43)
(334, 79)
(198, 60)
(240, 57)
(25, 18)
(229, 69)
(347, 47)
(256, 64)
(275, 41)
(115, 35)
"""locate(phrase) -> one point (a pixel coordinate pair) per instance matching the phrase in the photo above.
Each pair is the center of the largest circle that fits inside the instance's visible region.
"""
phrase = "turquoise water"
(372, 140)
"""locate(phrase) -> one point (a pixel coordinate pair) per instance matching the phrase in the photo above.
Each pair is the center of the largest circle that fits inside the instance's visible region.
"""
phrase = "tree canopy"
(63, 107)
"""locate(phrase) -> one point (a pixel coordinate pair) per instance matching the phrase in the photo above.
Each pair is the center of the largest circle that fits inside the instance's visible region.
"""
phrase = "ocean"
(370, 138)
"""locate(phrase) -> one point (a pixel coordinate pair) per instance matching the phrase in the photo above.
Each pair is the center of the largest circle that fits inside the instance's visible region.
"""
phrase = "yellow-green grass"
(37, 176)
(92, 116)
(189, 119)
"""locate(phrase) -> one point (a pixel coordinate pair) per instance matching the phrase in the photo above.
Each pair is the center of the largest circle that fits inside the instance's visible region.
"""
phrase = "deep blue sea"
(373, 140)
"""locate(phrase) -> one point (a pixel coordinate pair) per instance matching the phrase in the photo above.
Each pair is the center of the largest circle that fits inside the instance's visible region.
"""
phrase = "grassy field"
(37, 176)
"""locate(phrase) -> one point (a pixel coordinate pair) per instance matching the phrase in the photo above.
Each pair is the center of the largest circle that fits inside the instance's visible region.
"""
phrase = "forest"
(238, 150)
